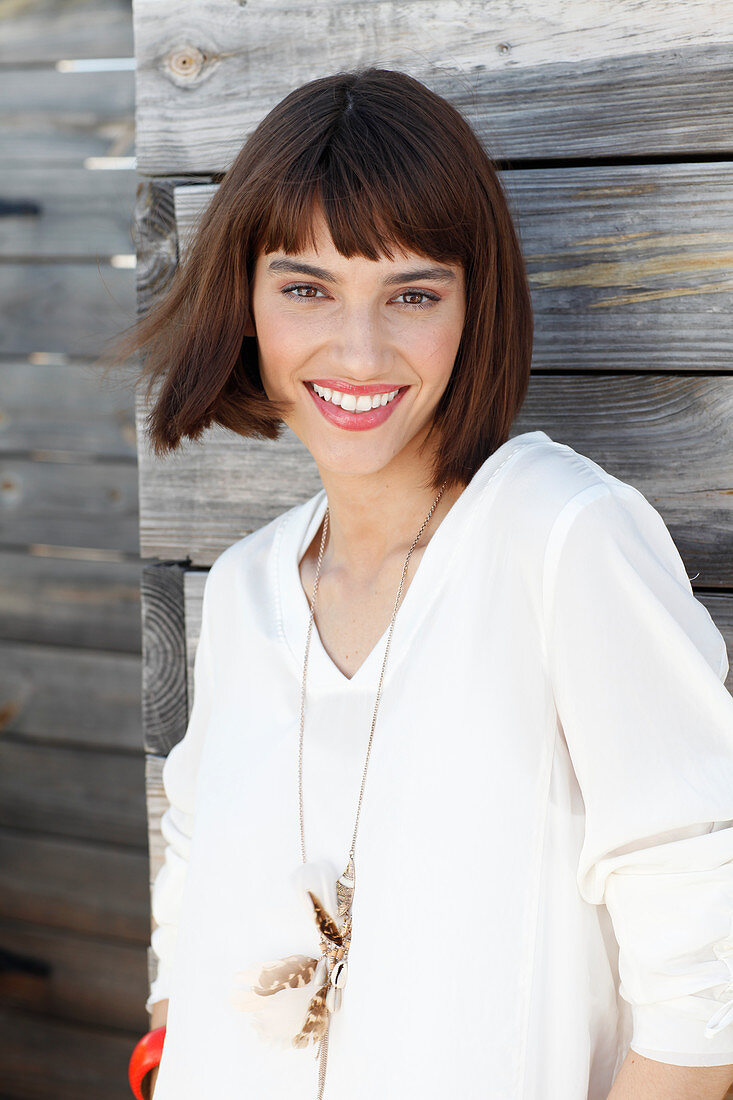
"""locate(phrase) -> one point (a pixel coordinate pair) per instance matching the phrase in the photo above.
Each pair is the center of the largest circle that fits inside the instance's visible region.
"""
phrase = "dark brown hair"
(388, 161)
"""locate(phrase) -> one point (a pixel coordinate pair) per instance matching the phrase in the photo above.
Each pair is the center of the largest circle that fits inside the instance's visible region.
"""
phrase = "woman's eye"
(290, 291)
(412, 294)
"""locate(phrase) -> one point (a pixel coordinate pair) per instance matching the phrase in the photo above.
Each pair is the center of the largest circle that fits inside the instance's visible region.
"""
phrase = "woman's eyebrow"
(437, 274)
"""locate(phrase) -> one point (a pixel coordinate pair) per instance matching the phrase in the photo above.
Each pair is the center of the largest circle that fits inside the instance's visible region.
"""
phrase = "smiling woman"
(541, 903)
(351, 181)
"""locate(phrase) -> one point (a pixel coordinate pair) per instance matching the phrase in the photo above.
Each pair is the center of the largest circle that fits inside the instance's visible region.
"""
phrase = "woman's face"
(364, 349)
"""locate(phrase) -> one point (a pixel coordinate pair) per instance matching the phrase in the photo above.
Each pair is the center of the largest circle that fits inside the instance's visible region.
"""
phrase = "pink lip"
(347, 387)
(354, 422)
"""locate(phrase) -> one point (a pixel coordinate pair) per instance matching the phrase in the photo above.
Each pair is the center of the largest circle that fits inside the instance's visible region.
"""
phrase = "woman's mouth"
(355, 408)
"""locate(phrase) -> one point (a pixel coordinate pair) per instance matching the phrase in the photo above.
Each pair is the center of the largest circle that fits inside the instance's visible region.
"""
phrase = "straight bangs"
(373, 204)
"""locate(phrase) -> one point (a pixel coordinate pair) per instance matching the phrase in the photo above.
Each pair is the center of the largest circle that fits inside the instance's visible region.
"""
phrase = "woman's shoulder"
(549, 480)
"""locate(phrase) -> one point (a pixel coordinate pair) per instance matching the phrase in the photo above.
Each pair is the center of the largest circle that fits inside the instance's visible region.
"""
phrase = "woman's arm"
(644, 1079)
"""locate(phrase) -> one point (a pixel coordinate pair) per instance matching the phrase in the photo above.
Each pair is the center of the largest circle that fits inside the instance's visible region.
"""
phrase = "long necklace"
(335, 948)
(322, 979)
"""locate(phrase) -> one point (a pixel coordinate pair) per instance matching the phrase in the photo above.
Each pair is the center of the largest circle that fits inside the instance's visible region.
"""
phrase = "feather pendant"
(315, 1025)
(290, 1000)
(324, 921)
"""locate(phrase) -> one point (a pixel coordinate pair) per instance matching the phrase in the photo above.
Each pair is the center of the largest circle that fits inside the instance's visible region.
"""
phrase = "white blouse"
(544, 863)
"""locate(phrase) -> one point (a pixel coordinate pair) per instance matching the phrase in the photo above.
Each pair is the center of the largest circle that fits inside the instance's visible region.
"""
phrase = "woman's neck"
(376, 516)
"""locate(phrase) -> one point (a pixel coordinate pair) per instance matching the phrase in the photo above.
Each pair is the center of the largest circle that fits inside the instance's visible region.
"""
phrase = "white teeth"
(350, 402)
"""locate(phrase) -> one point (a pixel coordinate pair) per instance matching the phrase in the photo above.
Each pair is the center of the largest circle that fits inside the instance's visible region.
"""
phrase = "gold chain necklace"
(320, 980)
(336, 933)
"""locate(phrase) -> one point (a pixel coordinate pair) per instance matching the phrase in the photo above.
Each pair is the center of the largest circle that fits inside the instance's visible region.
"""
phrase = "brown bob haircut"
(389, 162)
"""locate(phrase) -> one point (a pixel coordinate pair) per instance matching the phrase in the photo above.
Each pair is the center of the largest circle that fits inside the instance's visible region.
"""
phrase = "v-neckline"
(295, 534)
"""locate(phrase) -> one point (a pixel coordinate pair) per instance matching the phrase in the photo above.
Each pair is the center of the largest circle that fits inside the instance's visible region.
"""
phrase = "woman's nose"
(358, 343)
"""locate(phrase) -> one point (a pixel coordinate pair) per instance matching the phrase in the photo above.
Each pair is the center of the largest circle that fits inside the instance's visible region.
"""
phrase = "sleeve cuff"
(676, 1031)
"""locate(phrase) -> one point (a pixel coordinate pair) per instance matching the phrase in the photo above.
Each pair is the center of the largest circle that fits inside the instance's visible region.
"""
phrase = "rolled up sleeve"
(637, 667)
(179, 774)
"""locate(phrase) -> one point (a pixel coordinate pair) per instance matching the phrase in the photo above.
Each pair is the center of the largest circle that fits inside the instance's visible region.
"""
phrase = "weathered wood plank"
(68, 407)
(82, 979)
(200, 500)
(44, 1058)
(164, 665)
(649, 80)
(53, 118)
(84, 886)
(69, 308)
(156, 232)
(73, 793)
(70, 602)
(83, 504)
(636, 275)
(64, 213)
(74, 697)
(47, 30)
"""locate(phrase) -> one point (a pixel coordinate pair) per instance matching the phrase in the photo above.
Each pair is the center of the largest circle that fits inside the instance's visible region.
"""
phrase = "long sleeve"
(637, 668)
(179, 782)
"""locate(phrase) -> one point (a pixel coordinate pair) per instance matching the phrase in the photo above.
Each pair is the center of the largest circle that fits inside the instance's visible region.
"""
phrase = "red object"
(145, 1056)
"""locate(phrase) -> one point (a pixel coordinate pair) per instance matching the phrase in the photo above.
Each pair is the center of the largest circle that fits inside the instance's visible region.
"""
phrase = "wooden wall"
(613, 139)
(74, 903)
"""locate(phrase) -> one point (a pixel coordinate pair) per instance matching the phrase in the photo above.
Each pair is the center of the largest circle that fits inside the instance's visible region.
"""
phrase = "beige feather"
(316, 1020)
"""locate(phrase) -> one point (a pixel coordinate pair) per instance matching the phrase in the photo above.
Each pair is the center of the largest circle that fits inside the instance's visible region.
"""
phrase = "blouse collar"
(294, 535)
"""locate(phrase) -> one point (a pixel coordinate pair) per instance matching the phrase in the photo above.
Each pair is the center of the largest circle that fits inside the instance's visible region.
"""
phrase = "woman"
(535, 862)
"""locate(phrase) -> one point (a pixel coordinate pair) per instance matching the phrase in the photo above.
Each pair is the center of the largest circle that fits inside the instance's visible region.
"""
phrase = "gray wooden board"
(635, 274)
(70, 602)
(90, 980)
(54, 118)
(208, 72)
(74, 697)
(43, 1058)
(81, 794)
(65, 407)
(47, 30)
(56, 213)
(76, 504)
(164, 665)
(73, 308)
(204, 497)
(84, 886)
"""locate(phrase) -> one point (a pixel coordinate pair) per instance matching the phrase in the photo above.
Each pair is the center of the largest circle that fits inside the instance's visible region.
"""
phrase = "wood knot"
(185, 62)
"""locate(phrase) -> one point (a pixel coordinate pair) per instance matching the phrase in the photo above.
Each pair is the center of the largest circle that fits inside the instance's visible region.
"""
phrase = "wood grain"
(66, 213)
(79, 794)
(58, 119)
(80, 697)
(79, 885)
(61, 307)
(46, 30)
(164, 663)
(72, 503)
(88, 980)
(75, 603)
(648, 81)
(65, 407)
(43, 1057)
